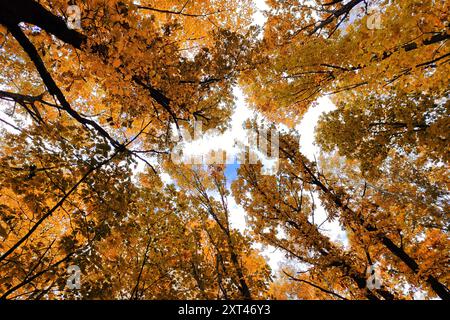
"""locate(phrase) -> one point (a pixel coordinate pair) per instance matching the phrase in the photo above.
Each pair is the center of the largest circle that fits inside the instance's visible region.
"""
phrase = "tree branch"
(315, 286)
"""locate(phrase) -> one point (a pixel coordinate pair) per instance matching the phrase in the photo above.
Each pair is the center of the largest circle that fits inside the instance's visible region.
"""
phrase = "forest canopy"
(95, 96)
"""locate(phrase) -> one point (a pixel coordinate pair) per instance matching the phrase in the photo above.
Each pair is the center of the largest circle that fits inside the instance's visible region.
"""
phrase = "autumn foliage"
(89, 117)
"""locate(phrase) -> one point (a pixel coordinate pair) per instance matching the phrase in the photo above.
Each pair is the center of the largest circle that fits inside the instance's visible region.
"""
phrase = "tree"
(102, 98)
(194, 21)
(153, 80)
(49, 194)
(369, 128)
(235, 258)
(89, 117)
(331, 47)
(388, 79)
(283, 216)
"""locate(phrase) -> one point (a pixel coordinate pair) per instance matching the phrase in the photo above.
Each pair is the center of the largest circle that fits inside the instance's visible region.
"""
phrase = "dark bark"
(13, 12)
(52, 86)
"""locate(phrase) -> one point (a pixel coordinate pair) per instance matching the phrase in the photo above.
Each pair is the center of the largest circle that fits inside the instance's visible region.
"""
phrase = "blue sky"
(231, 172)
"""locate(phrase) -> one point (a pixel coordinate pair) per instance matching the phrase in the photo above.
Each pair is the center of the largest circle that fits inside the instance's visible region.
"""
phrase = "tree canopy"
(90, 115)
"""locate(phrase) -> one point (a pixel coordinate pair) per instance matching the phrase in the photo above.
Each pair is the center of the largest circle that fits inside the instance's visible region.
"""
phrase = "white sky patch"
(166, 178)
(331, 229)
(272, 255)
(258, 17)
(237, 215)
(308, 124)
(307, 127)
